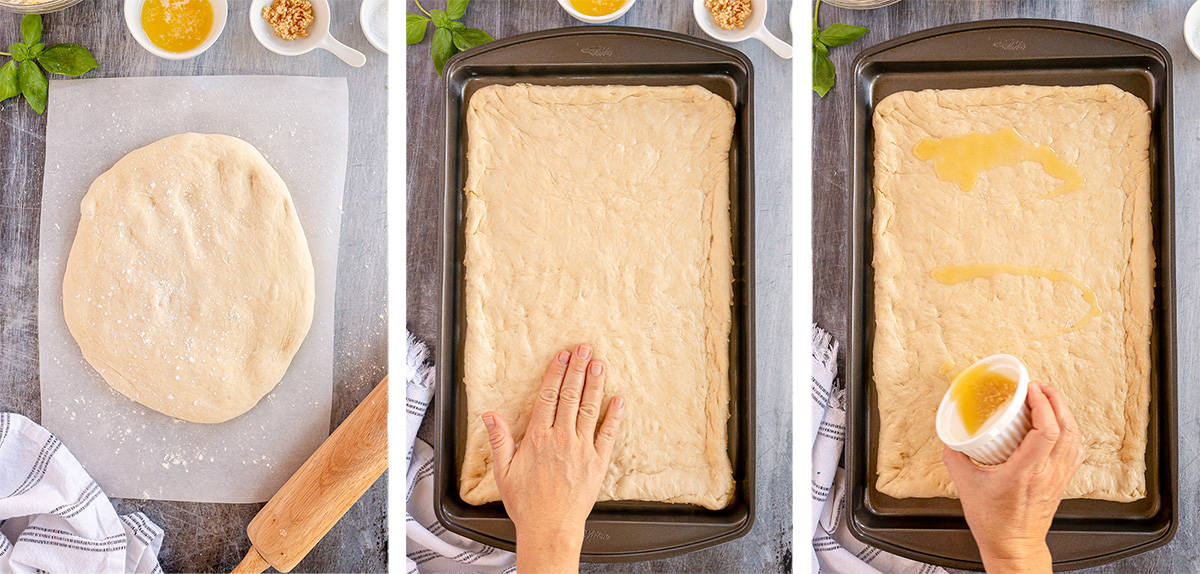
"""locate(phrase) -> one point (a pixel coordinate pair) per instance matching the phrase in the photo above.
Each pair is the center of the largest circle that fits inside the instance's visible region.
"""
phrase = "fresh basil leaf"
(443, 48)
(456, 26)
(456, 8)
(414, 28)
(460, 43)
(67, 59)
(8, 80)
(470, 38)
(31, 29)
(34, 86)
(820, 48)
(841, 34)
(439, 18)
(36, 50)
(824, 74)
(19, 51)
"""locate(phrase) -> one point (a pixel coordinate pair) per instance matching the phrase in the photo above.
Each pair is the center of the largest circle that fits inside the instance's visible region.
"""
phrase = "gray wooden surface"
(211, 537)
(1158, 21)
(768, 546)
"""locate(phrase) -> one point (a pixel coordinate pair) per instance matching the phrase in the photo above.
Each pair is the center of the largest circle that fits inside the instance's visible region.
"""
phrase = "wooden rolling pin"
(324, 488)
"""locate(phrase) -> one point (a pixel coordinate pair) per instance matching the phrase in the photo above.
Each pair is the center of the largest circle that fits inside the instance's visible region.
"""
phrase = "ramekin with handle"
(318, 35)
(754, 27)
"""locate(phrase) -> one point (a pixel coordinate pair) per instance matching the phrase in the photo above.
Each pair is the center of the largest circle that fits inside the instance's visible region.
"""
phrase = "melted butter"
(959, 273)
(946, 367)
(961, 159)
(979, 393)
(597, 7)
(177, 25)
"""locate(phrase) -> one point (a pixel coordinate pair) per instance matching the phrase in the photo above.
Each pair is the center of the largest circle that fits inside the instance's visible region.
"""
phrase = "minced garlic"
(729, 14)
(289, 19)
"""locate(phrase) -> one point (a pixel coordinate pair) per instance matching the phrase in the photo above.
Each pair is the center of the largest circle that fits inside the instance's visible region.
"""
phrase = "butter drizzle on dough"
(1100, 234)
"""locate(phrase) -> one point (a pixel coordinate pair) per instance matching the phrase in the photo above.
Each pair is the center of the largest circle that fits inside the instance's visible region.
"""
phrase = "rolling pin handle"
(253, 563)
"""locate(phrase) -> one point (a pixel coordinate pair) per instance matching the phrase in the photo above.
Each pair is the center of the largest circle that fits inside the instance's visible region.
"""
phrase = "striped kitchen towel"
(835, 550)
(54, 517)
(431, 548)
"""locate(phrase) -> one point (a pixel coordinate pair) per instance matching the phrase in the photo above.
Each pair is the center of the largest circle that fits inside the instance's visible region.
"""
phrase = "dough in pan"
(1095, 238)
(601, 214)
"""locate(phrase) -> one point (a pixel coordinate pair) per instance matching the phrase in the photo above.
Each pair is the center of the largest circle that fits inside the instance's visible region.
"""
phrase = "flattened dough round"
(190, 285)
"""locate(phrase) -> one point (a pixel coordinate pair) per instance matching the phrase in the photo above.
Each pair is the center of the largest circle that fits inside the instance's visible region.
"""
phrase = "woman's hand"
(551, 480)
(1010, 506)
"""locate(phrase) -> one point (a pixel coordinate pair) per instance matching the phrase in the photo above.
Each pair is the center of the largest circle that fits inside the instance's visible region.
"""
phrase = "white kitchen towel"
(431, 548)
(54, 517)
(419, 392)
(835, 550)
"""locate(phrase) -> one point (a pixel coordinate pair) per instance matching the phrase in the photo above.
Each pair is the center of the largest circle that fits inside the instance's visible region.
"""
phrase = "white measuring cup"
(755, 27)
(318, 35)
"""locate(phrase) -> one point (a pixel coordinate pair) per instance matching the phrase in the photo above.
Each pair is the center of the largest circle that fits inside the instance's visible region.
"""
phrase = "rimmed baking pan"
(993, 53)
(616, 531)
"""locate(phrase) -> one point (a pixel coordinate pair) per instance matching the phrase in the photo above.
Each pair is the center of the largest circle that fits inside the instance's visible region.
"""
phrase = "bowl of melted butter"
(983, 413)
(176, 29)
(596, 11)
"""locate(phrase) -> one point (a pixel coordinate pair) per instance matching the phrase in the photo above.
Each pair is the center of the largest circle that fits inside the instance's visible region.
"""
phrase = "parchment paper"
(301, 126)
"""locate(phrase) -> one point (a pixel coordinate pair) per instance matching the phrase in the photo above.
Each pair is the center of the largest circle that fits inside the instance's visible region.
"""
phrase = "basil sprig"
(450, 36)
(824, 74)
(22, 75)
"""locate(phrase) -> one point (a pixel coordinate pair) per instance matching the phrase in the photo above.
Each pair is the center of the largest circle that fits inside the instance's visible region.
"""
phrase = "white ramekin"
(576, 14)
(133, 21)
(368, 12)
(1002, 433)
(1191, 29)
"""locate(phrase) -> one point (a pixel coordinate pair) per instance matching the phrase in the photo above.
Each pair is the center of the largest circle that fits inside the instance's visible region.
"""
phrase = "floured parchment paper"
(301, 126)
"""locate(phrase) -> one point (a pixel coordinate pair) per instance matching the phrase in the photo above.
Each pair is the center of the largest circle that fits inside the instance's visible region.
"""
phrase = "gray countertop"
(211, 537)
(1161, 22)
(768, 547)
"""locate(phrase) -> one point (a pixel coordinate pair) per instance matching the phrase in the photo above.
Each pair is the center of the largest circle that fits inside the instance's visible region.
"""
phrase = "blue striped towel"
(54, 517)
(431, 548)
(835, 550)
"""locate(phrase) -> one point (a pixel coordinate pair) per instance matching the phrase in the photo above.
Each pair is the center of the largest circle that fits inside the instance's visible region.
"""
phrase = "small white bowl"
(318, 35)
(1191, 29)
(1001, 434)
(368, 12)
(133, 21)
(755, 27)
(576, 14)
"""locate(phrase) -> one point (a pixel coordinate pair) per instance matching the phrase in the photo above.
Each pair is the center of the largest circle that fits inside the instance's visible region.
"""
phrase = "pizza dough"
(1052, 248)
(600, 214)
(189, 286)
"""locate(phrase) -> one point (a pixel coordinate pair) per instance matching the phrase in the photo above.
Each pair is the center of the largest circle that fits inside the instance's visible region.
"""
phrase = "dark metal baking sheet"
(994, 53)
(616, 531)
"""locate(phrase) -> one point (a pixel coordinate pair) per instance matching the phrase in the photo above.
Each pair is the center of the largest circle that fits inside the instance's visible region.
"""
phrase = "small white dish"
(1002, 433)
(133, 21)
(755, 27)
(373, 16)
(576, 14)
(1191, 29)
(318, 35)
